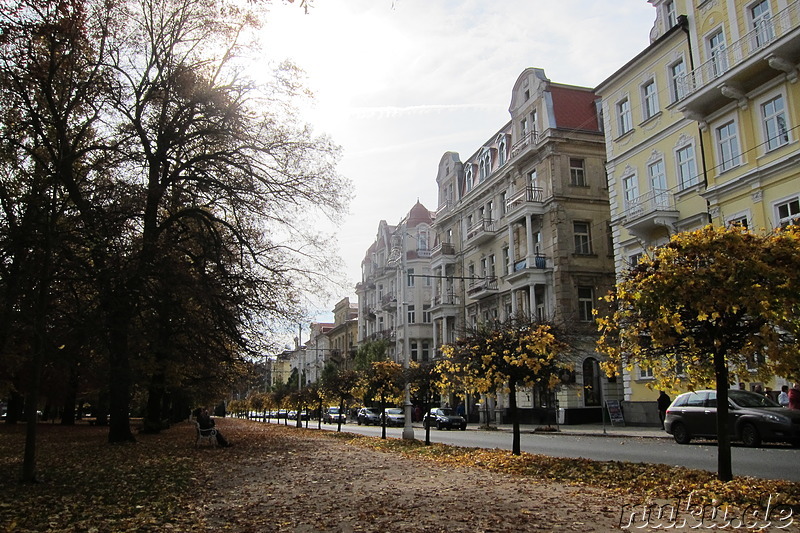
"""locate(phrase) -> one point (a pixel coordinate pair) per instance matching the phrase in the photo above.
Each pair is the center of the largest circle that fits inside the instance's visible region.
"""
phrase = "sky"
(397, 83)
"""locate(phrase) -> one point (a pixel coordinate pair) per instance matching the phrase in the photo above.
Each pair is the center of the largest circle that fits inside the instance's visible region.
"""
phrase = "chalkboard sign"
(615, 412)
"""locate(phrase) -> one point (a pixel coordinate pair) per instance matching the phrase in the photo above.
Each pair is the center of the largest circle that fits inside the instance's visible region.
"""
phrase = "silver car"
(752, 418)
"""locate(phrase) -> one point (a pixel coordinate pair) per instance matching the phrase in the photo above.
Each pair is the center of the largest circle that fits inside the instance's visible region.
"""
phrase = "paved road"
(768, 461)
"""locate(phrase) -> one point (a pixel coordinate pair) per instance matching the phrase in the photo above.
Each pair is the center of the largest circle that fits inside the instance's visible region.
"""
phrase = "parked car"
(333, 415)
(395, 416)
(367, 416)
(303, 416)
(444, 418)
(753, 418)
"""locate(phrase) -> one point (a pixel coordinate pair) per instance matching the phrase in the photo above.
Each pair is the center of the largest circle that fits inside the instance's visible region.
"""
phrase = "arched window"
(502, 150)
(468, 176)
(592, 393)
(485, 165)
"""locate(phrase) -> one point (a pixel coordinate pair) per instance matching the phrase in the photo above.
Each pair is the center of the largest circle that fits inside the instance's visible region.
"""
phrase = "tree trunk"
(119, 373)
(155, 398)
(724, 468)
(512, 413)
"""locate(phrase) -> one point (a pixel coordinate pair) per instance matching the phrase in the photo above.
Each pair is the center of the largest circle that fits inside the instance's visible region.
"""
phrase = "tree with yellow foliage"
(516, 354)
(386, 380)
(711, 306)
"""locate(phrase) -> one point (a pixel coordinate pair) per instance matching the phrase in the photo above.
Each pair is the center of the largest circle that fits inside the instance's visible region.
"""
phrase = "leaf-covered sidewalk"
(283, 479)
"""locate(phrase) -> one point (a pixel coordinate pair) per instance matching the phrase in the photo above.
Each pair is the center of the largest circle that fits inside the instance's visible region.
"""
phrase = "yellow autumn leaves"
(486, 361)
(723, 291)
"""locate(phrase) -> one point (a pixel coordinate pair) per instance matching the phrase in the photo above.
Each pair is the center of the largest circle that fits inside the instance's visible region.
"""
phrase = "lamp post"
(408, 429)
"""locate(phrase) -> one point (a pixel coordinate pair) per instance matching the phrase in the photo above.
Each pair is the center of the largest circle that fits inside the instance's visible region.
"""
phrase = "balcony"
(389, 301)
(481, 288)
(528, 201)
(649, 212)
(533, 273)
(480, 232)
(772, 47)
(443, 254)
(447, 304)
(528, 140)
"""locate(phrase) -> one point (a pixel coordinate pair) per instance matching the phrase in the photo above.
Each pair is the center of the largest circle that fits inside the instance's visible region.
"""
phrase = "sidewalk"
(592, 430)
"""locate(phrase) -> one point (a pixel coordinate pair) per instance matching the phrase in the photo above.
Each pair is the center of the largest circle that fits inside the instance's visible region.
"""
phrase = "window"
(763, 31)
(717, 53)
(491, 264)
(645, 373)
(788, 212)
(411, 314)
(523, 128)
(468, 176)
(775, 123)
(687, 174)
(426, 314)
(624, 116)
(410, 277)
(630, 191)
(585, 304)
(738, 221)
(677, 74)
(728, 144)
(502, 151)
(414, 350)
(634, 259)
(576, 173)
(426, 351)
(649, 100)
(670, 14)
(485, 165)
(422, 240)
(503, 203)
(658, 184)
(583, 243)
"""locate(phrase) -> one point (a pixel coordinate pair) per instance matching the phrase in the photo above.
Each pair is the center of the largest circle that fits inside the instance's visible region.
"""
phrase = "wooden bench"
(205, 435)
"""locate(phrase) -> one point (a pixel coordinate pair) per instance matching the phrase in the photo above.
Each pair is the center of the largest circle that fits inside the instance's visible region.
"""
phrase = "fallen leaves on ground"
(278, 478)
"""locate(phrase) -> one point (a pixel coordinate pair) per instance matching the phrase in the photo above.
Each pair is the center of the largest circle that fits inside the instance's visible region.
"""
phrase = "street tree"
(503, 358)
(386, 380)
(340, 386)
(711, 307)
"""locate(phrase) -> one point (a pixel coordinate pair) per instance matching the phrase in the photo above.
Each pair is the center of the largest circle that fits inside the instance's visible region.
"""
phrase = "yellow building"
(700, 128)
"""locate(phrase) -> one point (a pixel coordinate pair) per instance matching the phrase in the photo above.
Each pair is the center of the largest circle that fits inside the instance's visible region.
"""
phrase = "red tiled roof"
(574, 108)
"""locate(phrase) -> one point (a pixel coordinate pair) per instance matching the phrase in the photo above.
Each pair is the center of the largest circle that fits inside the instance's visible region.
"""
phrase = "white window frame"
(670, 14)
(717, 52)
(630, 192)
(502, 150)
(792, 203)
(468, 176)
(485, 165)
(729, 150)
(649, 99)
(624, 117)
(657, 178)
(774, 121)
(761, 24)
(688, 165)
(677, 79)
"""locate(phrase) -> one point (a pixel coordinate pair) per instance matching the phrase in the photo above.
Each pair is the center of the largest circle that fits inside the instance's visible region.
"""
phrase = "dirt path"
(305, 483)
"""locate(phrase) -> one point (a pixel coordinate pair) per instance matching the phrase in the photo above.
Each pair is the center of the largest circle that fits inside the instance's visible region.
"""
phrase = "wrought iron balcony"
(772, 46)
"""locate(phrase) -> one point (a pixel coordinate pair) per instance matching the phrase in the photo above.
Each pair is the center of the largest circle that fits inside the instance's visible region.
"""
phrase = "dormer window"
(468, 176)
(502, 150)
(485, 165)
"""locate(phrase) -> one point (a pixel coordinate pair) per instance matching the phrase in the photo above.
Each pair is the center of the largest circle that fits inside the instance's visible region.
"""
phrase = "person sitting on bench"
(206, 422)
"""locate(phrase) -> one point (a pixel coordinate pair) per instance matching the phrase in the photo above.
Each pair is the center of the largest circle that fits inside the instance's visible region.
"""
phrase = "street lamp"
(408, 429)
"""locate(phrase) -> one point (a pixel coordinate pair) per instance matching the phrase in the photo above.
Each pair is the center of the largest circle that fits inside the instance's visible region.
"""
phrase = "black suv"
(444, 418)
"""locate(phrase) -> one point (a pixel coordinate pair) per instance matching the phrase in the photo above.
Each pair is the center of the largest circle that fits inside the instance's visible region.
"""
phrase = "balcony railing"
(766, 32)
(482, 285)
(445, 248)
(482, 227)
(447, 298)
(529, 139)
(527, 195)
(648, 203)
